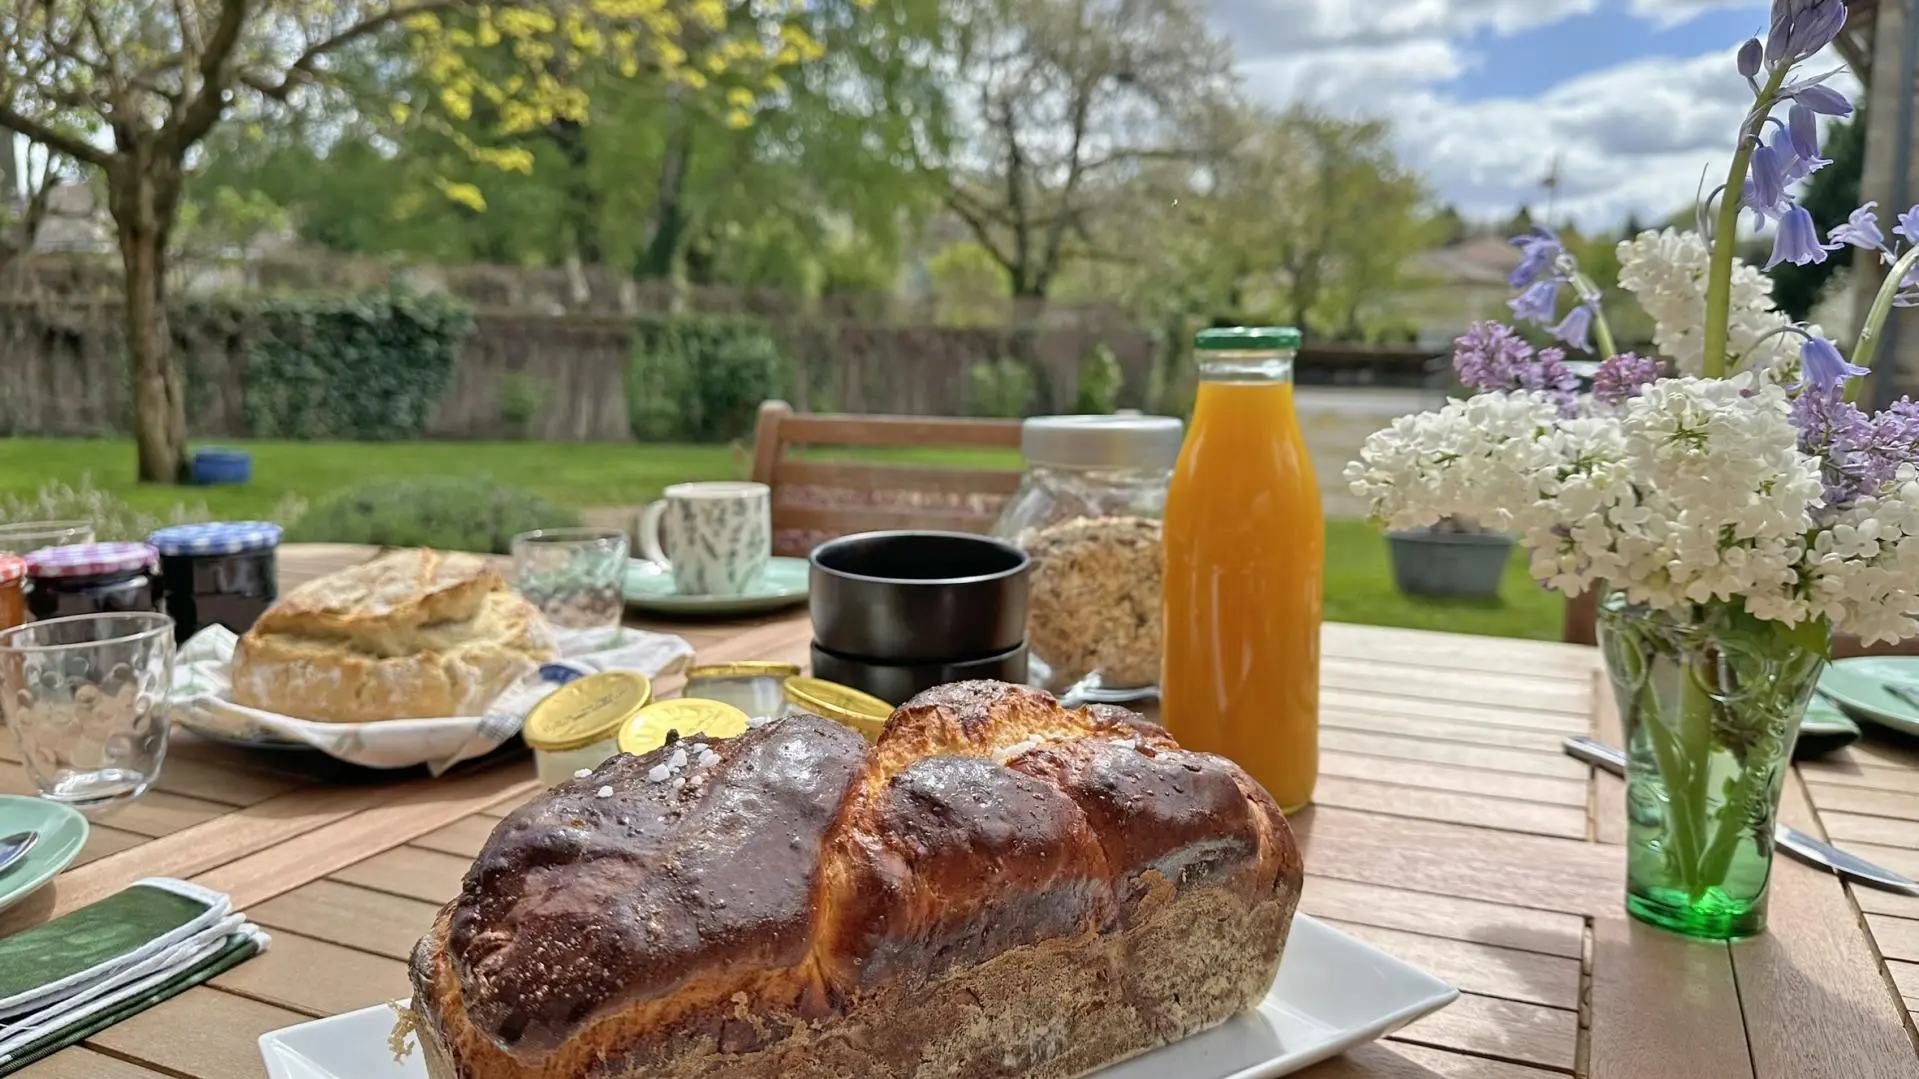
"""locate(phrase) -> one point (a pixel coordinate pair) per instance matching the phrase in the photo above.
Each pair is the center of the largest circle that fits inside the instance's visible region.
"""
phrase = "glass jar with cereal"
(1088, 512)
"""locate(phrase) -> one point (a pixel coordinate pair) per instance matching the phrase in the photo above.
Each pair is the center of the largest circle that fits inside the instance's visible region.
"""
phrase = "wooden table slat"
(1662, 1005)
(315, 977)
(203, 1033)
(1551, 762)
(83, 1063)
(1483, 811)
(1484, 969)
(1814, 961)
(376, 922)
(414, 872)
(1551, 790)
(1502, 1029)
(1546, 932)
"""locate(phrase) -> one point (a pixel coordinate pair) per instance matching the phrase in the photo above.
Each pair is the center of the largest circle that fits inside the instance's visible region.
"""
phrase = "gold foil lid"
(756, 669)
(863, 712)
(585, 711)
(690, 716)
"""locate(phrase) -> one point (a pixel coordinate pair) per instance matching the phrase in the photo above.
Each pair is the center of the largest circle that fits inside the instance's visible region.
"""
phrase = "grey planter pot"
(1452, 565)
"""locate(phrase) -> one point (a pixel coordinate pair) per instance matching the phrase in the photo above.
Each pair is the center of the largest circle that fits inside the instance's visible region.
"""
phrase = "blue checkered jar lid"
(216, 537)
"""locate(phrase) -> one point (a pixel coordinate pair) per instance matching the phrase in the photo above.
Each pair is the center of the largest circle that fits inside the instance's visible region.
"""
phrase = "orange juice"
(1245, 546)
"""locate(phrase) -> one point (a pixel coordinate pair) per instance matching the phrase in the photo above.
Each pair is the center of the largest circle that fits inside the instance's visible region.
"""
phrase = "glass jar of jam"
(218, 573)
(13, 577)
(92, 578)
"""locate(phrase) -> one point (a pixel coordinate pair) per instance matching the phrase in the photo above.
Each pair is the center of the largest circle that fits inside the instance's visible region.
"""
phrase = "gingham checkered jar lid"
(216, 537)
(90, 559)
(12, 568)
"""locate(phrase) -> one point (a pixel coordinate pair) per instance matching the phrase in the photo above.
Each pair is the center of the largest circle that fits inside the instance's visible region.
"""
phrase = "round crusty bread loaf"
(409, 635)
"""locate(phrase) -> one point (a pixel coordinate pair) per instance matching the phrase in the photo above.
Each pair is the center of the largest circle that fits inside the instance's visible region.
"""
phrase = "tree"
(25, 193)
(132, 89)
(1063, 101)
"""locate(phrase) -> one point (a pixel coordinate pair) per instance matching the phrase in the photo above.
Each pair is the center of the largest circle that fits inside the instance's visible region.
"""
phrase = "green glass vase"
(1710, 705)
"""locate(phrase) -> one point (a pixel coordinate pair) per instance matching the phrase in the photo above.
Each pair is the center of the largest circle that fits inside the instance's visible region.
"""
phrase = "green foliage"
(1002, 389)
(1100, 380)
(522, 396)
(701, 378)
(448, 512)
(970, 284)
(368, 367)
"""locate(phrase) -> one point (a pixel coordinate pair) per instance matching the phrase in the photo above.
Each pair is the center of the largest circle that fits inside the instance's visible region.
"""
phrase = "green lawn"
(1359, 586)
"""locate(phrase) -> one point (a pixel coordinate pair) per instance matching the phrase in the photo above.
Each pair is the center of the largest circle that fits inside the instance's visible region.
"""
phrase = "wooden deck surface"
(1450, 831)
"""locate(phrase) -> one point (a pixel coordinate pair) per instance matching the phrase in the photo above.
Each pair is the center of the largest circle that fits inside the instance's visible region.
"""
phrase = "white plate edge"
(1439, 994)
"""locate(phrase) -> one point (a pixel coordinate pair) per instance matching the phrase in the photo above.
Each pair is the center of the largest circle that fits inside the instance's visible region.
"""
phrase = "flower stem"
(1862, 352)
(1725, 237)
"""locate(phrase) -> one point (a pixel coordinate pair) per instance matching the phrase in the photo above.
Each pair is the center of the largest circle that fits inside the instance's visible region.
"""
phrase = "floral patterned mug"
(720, 536)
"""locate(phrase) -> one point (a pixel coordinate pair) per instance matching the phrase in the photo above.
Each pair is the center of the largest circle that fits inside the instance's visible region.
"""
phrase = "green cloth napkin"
(239, 948)
(65, 980)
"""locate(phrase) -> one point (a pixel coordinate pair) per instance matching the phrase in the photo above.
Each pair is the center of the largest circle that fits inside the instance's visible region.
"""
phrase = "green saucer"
(63, 831)
(649, 587)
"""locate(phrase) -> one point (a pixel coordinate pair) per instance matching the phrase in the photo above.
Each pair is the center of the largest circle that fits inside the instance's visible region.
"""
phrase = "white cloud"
(1635, 138)
(1668, 13)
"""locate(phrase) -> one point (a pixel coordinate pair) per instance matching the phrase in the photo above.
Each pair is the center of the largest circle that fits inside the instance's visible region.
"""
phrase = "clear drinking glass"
(86, 698)
(573, 576)
(22, 537)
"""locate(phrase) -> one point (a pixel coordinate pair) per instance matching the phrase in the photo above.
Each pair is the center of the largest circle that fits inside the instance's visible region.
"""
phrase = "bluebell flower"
(1818, 97)
(1908, 225)
(1539, 249)
(1798, 240)
(1751, 55)
(1823, 368)
(1576, 328)
(1766, 190)
(1802, 126)
(1861, 230)
(1801, 28)
(1538, 303)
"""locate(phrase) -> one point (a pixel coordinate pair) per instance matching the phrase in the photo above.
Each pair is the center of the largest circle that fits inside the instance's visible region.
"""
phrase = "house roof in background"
(1481, 260)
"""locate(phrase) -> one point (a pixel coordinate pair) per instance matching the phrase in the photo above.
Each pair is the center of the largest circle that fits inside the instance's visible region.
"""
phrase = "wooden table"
(1450, 831)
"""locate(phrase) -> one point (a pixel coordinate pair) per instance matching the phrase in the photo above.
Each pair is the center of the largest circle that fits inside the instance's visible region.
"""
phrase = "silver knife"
(1797, 843)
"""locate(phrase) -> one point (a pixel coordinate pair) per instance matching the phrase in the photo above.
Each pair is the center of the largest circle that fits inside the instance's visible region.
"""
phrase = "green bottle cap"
(1248, 339)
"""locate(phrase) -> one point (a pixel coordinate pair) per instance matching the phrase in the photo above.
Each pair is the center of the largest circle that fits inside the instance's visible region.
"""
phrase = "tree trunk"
(143, 206)
(670, 218)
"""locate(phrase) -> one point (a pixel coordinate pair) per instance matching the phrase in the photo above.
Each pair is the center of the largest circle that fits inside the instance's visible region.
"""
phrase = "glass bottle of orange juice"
(1245, 543)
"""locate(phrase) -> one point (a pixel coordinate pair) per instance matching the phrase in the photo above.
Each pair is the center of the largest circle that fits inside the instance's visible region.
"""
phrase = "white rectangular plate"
(1332, 993)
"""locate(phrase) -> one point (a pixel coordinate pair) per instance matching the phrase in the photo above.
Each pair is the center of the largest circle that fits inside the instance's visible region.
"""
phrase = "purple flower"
(1751, 55)
(1860, 455)
(1797, 241)
(1908, 225)
(1492, 358)
(1823, 368)
(1538, 303)
(1621, 377)
(1489, 356)
(1576, 328)
(1539, 249)
(1861, 229)
(1817, 96)
(1803, 128)
(1766, 193)
(1801, 28)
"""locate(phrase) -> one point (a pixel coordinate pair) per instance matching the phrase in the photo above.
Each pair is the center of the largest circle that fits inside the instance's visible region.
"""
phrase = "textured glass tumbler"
(573, 576)
(86, 699)
(23, 537)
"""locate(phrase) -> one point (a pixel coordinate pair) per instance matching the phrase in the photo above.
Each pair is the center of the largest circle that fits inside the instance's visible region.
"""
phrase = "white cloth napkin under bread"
(202, 701)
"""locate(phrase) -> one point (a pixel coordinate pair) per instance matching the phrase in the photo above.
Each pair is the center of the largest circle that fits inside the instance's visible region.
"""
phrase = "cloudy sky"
(1635, 96)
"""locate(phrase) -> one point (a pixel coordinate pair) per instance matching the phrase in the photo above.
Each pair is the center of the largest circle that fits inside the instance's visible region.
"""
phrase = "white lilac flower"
(1666, 271)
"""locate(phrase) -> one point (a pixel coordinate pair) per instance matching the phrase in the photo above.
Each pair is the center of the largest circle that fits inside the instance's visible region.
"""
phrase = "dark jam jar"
(218, 574)
(92, 578)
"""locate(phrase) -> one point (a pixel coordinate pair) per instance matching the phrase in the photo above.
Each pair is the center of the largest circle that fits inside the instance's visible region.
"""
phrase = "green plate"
(63, 832)
(1861, 686)
(649, 587)
(1826, 729)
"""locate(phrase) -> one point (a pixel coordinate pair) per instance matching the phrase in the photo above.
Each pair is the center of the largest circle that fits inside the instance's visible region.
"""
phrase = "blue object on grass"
(215, 467)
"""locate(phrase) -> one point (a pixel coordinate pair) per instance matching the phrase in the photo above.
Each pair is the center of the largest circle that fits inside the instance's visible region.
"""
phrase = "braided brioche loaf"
(999, 887)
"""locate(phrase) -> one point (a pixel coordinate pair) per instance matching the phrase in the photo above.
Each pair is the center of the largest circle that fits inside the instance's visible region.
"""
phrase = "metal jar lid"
(863, 712)
(687, 717)
(13, 567)
(1102, 441)
(91, 559)
(215, 538)
(592, 709)
(755, 669)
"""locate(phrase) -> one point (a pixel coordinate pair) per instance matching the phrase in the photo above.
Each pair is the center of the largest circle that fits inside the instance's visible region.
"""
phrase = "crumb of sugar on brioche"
(604, 792)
